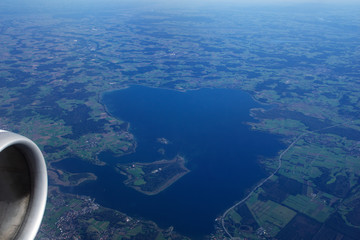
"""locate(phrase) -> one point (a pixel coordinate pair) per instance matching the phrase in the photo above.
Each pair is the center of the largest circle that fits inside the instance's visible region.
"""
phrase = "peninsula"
(153, 178)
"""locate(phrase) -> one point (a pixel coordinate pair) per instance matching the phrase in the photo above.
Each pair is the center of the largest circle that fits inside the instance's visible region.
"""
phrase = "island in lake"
(163, 141)
(301, 60)
(152, 178)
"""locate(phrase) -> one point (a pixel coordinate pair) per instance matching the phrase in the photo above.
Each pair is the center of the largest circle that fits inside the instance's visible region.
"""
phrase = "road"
(259, 185)
(266, 179)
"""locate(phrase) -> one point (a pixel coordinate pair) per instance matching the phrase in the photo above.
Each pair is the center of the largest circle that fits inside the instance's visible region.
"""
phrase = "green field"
(271, 216)
(97, 226)
(301, 61)
(312, 207)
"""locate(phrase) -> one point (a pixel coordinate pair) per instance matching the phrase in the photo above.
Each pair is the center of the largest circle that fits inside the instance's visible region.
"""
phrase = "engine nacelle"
(23, 187)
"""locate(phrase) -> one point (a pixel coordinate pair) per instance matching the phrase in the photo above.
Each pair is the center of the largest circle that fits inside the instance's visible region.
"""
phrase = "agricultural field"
(302, 65)
(81, 217)
(316, 183)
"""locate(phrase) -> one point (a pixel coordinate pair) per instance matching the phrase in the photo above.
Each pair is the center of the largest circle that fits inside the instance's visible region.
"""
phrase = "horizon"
(65, 5)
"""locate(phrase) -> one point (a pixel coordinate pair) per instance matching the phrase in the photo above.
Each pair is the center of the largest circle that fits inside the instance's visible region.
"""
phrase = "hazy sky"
(37, 6)
(247, 2)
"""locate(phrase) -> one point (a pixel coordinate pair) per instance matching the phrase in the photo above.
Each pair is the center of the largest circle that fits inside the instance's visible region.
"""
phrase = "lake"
(207, 127)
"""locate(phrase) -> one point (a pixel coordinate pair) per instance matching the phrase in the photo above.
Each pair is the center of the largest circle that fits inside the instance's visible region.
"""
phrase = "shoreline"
(54, 175)
(165, 186)
(177, 160)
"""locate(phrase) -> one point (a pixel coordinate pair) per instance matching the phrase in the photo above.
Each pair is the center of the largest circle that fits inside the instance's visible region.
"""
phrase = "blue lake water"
(205, 126)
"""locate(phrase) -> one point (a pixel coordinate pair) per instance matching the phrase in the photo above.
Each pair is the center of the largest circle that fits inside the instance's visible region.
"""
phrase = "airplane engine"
(23, 187)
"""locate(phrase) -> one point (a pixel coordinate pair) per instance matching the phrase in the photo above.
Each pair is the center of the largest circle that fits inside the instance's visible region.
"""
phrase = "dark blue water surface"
(205, 126)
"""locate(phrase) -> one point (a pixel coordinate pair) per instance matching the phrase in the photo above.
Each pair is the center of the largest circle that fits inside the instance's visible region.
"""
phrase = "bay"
(205, 126)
